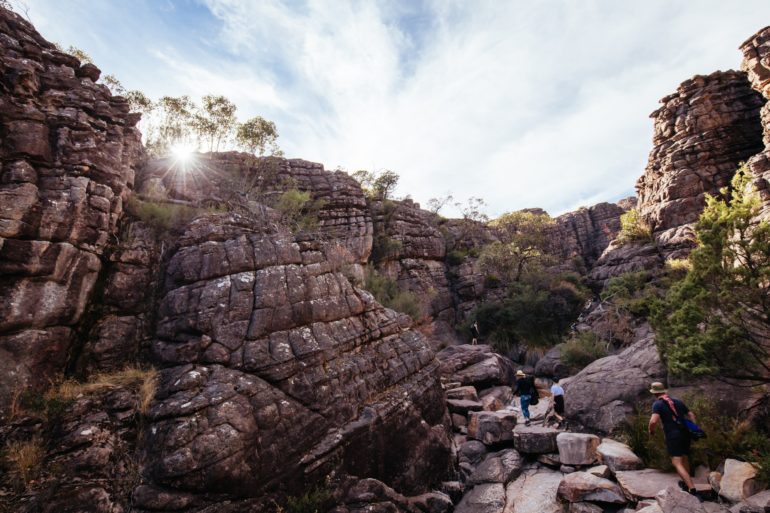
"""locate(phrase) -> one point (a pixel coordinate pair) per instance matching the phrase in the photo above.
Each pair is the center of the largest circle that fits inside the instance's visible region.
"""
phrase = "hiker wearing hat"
(668, 410)
(525, 388)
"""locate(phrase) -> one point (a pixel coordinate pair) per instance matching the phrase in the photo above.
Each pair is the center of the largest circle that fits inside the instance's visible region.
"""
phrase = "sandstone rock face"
(603, 394)
(702, 132)
(535, 439)
(577, 448)
(343, 216)
(582, 486)
(409, 248)
(618, 456)
(586, 232)
(755, 62)
(67, 164)
(738, 481)
(279, 370)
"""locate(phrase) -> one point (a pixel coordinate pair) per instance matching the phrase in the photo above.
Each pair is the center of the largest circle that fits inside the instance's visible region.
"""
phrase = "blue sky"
(523, 103)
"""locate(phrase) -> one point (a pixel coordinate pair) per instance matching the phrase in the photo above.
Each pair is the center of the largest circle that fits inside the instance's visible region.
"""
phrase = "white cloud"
(522, 103)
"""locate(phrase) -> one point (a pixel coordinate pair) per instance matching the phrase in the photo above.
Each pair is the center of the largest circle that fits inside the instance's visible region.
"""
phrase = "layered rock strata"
(756, 63)
(281, 371)
(67, 161)
(701, 134)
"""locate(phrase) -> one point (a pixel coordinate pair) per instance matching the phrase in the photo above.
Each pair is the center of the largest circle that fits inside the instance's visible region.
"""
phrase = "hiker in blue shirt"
(671, 412)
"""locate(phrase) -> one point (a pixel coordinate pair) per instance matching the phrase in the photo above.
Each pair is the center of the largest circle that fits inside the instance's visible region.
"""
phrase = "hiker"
(525, 388)
(670, 411)
(475, 333)
(558, 401)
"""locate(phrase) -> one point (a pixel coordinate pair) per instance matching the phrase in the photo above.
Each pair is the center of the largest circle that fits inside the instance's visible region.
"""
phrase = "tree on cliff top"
(377, 185)
(215, 120)
(716, 320)
(258, 134)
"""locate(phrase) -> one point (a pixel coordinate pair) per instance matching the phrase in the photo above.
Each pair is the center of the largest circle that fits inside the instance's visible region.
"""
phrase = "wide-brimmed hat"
(657, 388)
(520, 374)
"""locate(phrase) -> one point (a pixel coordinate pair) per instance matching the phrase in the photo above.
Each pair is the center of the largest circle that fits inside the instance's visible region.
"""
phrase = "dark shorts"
(558, 404)
(678, 445)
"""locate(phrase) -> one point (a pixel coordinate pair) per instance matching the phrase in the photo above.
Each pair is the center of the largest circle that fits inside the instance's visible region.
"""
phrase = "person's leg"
(525, 407)
(682, 470)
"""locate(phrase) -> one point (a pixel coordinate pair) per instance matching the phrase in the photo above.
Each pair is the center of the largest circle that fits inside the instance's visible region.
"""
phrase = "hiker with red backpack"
(679, 429)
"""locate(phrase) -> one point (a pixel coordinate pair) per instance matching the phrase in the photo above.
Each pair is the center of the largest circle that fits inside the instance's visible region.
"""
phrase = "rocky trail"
(507, 466)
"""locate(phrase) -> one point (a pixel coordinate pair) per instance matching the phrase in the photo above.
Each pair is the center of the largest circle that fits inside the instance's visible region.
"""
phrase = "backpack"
(693, 429)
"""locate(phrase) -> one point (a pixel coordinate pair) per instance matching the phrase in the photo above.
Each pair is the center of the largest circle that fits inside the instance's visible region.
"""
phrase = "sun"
(183, 153)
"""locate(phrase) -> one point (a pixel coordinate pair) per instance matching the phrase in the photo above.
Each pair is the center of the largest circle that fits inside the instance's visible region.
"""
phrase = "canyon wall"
(68, 157)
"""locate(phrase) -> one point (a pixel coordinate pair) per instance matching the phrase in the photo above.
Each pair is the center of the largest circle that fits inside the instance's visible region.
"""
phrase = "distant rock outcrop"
(586, 232)
(701, 135)
(756, 63)
(67, 162)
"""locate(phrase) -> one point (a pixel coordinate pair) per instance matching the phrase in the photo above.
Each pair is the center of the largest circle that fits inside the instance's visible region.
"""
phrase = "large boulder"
(603, 394)
(491, 427)
(496, 398)
(674, 500)
(618, 456)
(582, 486)
(484, 498)
(739, 481)
(466, 393)
(535, 439)
(476, 365)
(757, 503)
(577, 448)
(645, 484)
(534, 492)
(500, 467)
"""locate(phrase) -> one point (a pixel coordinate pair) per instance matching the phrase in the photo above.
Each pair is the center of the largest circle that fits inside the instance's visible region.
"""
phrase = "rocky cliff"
(275, 370)
(756, 64)
(701, 134)
(69, 154)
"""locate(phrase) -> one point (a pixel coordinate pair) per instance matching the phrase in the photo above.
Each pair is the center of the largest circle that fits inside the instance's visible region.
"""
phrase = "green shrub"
(164, 217)
(385, 248)
(537, 313)
(633, 228)
(298, 210)
(727, 437)
(456, 257)
(582, 349)
(387, 292)
(317, 500)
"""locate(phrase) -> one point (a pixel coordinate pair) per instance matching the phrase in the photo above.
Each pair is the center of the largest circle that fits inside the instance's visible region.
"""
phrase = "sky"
(522, 103)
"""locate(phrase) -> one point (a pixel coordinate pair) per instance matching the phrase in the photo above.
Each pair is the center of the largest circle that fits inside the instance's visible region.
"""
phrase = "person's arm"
(691, 416)
(654, 421)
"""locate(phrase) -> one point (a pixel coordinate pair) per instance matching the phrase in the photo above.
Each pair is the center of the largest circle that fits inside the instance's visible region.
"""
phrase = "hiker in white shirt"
(558, 400)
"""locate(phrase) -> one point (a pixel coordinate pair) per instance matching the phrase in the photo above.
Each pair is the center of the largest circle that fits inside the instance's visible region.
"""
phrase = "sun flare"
(183, 153)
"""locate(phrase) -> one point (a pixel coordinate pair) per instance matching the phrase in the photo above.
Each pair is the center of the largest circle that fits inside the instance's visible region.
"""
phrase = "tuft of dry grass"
(143, 381)
(24, 459)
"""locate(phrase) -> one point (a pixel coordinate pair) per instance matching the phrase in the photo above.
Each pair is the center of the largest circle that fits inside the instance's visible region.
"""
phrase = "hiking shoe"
(693, 491)
(526, 422)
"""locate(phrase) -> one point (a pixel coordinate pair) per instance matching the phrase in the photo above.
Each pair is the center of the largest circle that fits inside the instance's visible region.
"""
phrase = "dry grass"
(24, 460)
(143, 381)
